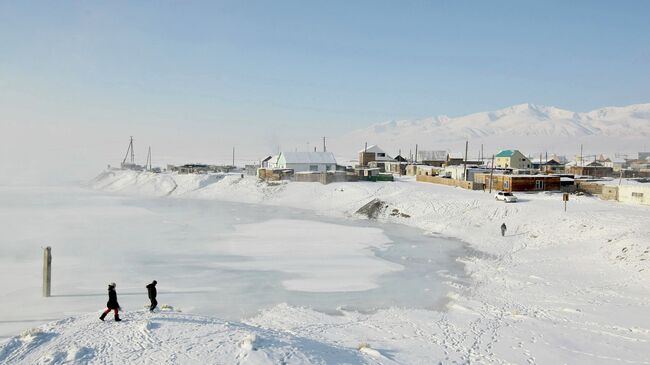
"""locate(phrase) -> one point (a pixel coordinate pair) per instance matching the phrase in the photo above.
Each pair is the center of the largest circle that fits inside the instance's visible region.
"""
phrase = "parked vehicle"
(505, 196)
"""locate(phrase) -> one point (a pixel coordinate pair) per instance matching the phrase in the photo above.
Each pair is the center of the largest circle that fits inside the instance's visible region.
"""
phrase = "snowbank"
(168, 337)
(560, 287)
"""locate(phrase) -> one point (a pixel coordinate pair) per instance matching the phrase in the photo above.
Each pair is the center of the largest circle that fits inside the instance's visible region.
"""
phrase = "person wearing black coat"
(151, 291)
(112, 303)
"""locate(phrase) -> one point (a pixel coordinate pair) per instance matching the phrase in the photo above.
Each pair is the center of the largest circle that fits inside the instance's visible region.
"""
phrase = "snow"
(322, 263)
(561, 287)
(168, 337)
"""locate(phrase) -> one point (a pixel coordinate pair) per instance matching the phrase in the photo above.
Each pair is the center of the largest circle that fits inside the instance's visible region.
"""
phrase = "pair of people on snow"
(113, 305)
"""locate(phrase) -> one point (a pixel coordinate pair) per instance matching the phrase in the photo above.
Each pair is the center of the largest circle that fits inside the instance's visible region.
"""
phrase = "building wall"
(516, 161)
(634, 194)
(470, 185)
(589, 187)
(591, 171)
(515, 183)
(609, 192)
(365, 157)
(298, 167)
(413, 170)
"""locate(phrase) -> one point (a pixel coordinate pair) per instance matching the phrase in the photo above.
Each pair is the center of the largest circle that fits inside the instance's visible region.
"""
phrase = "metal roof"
(308, 157)
(506, 153)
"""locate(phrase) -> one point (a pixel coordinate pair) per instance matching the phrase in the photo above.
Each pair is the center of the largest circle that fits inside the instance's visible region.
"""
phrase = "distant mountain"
(531, 128)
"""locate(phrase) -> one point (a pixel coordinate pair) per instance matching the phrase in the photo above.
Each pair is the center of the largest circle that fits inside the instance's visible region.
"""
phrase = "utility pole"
(47, 271)
(416, 153)
(465, 162)
(363, 156)
(481, 153)
(147, 164)
(324, 147)
(233, 157)
(582, 163)
(491, 173)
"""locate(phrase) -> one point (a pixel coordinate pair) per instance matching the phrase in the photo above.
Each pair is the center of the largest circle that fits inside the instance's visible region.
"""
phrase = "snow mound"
(167, 337)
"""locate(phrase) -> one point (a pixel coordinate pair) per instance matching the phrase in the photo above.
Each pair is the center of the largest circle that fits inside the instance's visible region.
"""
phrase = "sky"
(193, 78)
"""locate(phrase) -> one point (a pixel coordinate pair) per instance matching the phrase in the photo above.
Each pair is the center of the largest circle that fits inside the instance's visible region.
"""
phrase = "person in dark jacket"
(112, 303)
(151, 290)
(503, 229)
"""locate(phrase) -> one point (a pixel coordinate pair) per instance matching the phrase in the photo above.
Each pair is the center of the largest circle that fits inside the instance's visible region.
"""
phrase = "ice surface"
(214, 258)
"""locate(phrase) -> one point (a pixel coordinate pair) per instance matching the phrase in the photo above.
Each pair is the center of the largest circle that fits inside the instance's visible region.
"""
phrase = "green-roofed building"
(512, 159)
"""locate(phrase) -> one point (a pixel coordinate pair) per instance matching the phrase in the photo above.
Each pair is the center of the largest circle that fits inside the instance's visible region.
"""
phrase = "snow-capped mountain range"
(528, 127)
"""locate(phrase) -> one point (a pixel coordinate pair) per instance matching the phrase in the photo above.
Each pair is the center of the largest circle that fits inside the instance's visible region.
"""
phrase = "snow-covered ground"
(560, 287)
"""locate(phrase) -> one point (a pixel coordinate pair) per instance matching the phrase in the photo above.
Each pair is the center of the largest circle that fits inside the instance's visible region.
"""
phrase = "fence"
(469, 185)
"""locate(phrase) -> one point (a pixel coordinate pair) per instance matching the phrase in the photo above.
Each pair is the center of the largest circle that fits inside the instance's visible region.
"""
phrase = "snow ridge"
(530, 125)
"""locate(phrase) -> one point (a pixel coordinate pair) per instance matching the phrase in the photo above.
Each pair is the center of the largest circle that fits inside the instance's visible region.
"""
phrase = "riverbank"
(560, 287)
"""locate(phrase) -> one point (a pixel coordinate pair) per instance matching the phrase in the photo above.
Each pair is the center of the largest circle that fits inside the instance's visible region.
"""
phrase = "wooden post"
(47, 270)
(465, 162)
(491, 173)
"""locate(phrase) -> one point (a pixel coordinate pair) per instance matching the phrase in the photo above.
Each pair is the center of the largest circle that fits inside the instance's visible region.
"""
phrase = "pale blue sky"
(305, 68)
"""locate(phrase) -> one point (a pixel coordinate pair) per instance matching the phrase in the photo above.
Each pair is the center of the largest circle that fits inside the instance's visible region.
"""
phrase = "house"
(307, 161)
(426, 170)
(372, 153)
(594, 171)
(548, 166)
(265, 162)
(522, 182)
(395, 167)
(512, 159)
(458, 172)
(432, 158)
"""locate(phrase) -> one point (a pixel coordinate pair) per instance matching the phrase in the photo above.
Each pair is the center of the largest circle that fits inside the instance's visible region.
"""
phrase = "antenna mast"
(147, 164)
(129, 149)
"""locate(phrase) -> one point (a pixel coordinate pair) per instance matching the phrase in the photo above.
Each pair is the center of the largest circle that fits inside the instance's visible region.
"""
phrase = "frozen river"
(209, 257)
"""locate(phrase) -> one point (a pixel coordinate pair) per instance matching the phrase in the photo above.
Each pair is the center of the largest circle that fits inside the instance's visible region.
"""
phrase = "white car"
(505, 196)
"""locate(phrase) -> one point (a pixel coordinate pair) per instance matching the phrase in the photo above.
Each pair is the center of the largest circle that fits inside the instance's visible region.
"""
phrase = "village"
(620, 178)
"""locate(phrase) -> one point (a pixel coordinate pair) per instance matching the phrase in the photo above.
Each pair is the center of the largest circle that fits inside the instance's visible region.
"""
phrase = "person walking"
(152, 292)
(112, 303)
(503, 229)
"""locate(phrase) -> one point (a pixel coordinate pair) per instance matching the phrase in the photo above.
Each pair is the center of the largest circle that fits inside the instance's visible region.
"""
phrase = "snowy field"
(559, 288)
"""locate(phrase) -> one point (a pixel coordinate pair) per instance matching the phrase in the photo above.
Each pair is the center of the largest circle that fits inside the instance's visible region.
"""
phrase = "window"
(313, 167)
(381, 154)
(637, 195)
(506, 184)
(539, 184)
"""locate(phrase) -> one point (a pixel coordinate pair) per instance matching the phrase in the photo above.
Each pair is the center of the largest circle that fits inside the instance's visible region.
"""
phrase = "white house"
(306, 161)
